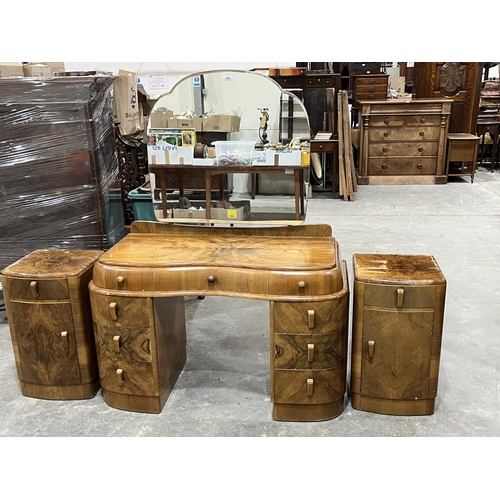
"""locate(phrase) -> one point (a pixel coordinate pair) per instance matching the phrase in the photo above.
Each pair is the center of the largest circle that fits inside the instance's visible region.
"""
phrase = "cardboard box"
(286, 157)
(11, 70)
(240, 211)
(159, 118)
(37, 70)
(170, 155)
(221, 123)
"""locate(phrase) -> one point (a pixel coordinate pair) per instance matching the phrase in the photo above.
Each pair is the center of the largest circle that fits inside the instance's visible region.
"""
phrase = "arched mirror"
(252, 107)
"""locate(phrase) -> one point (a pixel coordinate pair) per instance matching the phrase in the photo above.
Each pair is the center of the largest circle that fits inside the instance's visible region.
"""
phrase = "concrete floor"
(224, 388)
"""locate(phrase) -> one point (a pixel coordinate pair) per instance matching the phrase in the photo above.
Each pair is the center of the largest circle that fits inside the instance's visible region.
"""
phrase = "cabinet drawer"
(297, 351)
(429, 120)
(404, 134)
(372, 80)
(411, 297)
(323, 146)
(128, 344)
(211, 279)
(306, 317)
(125, 278)
(309, 386)
(127, 378)
(121, 311)
(304, 284)
(35, 289)
(402, 166)
(403, 149)
(371, 96)
(319, 81)
(387, 121)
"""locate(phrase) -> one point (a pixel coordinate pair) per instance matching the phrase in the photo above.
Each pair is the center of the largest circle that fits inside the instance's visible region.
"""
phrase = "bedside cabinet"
(48, 310)
(397, 328)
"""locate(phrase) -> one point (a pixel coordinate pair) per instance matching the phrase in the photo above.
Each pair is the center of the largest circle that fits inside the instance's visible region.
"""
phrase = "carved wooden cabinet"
(48, 309)
(397, 330)
(403, 141)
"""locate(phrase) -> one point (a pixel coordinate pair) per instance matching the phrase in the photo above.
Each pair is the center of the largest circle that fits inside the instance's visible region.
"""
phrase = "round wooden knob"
(302, 284)
(419, 165)
(384, 166)
(386, 121)
(120, 279)
(386, 134)
(420, 149)
(422, 133)
(422, 120)
(211, 279)
(384, 150)
(372, 80)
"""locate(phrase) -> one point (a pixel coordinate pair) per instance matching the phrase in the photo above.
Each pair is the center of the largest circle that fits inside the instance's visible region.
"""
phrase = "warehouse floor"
(224, 388)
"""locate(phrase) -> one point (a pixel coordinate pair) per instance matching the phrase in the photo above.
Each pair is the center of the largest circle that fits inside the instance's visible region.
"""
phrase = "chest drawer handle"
(371, 89)
(310, 387)
(419, 166)
(384, 150)
(211, 279)
(372, 80)
(384, 166)
(371, 96)
(401, 294)
(422, 120)
(112, 311)
(386, 121)
(310, 318)
(34, 289)
(119, 376)
(422, 133)
(386, 134)
(120, 280)
(64, 336)
(371, 350)
(116, 343)
(310, 353)
(420, 149)
(302, 284)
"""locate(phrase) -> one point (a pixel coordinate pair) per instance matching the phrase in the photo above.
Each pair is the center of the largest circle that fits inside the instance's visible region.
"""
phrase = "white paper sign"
(157, 82)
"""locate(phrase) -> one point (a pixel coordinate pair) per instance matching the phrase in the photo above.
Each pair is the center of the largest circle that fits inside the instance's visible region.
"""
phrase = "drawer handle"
(371, 96)
(120, 279)
(321, 146)
(302, 284)
(372, 80)
(419, 166)
(371, 350)
(64, 336)
(34, 289)
(384, 166)
(420, 149)
(400, 298)
(310, 387)
(116, 343)
(371, 89)
(422, 133)
(386, 121)
(119, 376)
(310, 318)
(422, 120)
(386, 134)
(112, 311)
(384, 150)
(310, 353)
(211, 279)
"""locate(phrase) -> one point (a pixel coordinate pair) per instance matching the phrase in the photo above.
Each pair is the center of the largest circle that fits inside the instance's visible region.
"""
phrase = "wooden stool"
(462, 148)
(397, 329)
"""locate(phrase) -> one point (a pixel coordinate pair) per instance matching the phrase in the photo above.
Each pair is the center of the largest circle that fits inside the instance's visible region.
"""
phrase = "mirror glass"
(246, 95)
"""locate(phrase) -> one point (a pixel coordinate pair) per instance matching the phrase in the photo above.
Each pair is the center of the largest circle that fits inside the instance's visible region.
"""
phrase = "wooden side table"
(462, 148)
(48, 309)
(397, 329)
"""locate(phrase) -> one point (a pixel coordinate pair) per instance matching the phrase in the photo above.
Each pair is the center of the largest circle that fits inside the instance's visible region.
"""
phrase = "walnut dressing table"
(137, 300)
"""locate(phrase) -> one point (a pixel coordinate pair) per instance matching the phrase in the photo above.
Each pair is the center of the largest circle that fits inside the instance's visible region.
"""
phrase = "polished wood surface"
(138, 310)
(397, 331)
(403, 141)
(48, 309)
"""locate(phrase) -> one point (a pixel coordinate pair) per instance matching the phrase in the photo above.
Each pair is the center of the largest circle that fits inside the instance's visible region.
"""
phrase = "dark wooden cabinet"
(457, 81)
(397, 330)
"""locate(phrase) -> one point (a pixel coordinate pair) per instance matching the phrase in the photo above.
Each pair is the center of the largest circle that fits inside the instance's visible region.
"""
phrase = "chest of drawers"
(370, 87)
(403, 142)
(397, 330)
(47, 301)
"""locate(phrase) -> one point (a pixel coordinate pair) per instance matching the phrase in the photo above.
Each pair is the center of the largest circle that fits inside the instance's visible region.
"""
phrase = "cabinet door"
(396, 353)
(46, 342)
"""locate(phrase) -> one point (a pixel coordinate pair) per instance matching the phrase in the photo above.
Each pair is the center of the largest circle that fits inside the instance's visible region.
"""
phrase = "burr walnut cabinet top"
(240, 265)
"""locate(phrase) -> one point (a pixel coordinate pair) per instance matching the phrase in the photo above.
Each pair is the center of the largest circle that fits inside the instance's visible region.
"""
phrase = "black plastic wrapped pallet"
(59, 176)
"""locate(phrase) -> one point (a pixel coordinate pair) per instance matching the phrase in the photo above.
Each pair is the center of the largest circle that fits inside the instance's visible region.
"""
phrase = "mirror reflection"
(232, 105)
